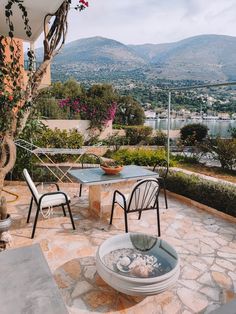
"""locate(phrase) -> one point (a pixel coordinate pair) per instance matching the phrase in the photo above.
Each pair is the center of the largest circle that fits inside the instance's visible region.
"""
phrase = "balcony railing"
(35, 65)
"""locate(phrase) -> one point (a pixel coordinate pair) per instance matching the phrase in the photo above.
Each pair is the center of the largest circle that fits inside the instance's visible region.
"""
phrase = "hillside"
(96, 57)
(204, 57)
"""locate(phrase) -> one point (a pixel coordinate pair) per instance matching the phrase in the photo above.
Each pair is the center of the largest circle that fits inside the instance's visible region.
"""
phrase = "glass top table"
(96, 176)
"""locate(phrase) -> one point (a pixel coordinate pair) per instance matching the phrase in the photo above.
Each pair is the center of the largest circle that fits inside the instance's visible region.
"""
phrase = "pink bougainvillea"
(98, 113)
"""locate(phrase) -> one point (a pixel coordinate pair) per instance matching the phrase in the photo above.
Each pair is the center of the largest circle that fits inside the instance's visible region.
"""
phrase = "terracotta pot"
(112, 170)
(5, 224)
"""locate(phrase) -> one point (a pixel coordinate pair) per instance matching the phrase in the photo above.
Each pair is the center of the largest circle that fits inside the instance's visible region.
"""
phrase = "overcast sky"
(152, 21)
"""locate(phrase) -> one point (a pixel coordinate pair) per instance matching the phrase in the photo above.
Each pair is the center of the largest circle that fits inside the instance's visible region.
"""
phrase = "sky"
(152, 21)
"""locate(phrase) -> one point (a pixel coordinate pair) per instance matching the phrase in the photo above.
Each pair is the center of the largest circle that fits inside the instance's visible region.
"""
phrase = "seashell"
(122, 268)
(140, 271)
(125, 261)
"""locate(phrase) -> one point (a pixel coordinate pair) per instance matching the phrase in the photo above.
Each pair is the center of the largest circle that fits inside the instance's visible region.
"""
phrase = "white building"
(149, 114)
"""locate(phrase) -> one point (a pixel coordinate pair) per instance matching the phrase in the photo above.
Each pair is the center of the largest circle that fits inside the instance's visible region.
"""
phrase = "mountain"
(99, 50)
(95, 58)
(204, 57)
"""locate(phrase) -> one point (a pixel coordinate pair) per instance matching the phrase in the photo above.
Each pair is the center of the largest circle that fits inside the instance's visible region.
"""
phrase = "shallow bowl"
(112, 170)
(136, 285)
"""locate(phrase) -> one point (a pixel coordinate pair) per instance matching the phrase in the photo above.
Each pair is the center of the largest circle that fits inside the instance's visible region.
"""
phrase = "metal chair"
(88, 160)
(144, 196)
(162, 169)
(46, 200)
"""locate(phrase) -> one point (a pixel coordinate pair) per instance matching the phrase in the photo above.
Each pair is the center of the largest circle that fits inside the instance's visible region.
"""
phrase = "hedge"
(213, 194)
(139, 156)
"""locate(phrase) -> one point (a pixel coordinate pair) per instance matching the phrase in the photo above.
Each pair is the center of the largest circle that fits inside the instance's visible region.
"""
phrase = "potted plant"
(111, 167)
(5, 221)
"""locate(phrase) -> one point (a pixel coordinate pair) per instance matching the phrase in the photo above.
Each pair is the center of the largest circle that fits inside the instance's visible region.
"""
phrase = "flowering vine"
(99, 113)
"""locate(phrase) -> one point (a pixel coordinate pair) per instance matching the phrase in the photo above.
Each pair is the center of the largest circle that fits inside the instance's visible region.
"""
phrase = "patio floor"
(205, 243)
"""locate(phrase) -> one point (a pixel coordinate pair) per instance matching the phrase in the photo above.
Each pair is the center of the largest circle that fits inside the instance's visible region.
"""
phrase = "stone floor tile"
(212, 293)
(225, 264)
(222, 280)
(200, 266)
(206, 245)
(192, 299)
(80, 288)
(217, 268)
(191, 284)
(188, 272)
(206, 279)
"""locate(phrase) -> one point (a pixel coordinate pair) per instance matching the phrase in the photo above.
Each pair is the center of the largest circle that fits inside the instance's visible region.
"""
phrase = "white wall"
(81, 125)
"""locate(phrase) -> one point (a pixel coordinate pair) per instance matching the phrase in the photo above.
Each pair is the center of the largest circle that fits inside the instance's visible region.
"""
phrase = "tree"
(129, 112)
(71, 88)
(192, 134)
(16, 101)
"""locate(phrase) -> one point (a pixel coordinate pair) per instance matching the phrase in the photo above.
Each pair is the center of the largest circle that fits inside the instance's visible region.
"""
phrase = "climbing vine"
(16, 98)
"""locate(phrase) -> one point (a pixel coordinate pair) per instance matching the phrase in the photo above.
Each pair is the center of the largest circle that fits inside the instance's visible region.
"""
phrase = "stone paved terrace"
(206, 245)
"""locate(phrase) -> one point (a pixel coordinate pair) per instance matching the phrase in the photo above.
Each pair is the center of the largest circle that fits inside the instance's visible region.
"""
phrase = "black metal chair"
(144, 196)
(89, 160)
(46, 200)
(162, 169)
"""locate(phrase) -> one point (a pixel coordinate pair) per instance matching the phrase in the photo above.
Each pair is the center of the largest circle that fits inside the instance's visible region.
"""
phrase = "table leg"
(100, 198)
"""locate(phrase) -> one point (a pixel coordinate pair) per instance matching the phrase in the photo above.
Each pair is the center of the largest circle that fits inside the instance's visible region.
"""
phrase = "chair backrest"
(31, 185)
(161, 167)
(90, 160)
(144, 195)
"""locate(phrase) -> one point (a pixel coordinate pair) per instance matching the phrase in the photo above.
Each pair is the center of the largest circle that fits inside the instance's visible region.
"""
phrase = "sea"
(216, 128)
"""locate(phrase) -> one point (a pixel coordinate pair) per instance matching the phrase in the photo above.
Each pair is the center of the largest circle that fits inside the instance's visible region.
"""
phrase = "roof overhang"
(36, 9)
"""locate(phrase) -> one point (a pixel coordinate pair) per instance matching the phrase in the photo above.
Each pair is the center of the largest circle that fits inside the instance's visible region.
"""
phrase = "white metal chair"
(46, 200)
(144, 196)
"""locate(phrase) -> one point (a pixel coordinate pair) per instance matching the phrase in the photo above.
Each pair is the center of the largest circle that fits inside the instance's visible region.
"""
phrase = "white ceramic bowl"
(136, 285)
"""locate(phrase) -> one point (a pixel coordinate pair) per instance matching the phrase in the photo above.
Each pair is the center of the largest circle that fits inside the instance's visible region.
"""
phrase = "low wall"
(81, 126)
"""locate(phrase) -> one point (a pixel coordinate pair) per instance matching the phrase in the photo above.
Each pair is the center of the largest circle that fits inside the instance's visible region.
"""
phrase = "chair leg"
(112, 208)
(63, 208)
(71, 217)
(30, 208)
(35, 222)
(158, 220)
(80, 190)
(139, 215)
(164, 188)
(126, 222)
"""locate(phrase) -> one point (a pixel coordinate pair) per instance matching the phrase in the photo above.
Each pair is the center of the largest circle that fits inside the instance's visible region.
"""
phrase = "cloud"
(156, 21)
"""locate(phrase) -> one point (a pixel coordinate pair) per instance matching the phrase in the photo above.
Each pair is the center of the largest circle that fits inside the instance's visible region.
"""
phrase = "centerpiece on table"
(111, 167)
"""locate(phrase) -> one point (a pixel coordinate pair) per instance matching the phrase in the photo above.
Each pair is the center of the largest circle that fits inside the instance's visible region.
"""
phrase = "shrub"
(193, 159)
(31, 133)
(136, 134)
(193, 133)
(232, 132)
(60, 139)
(159, 138)
(140, 157)
(118, 126)
(223, 150)
(216, 195)
(115, 142)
